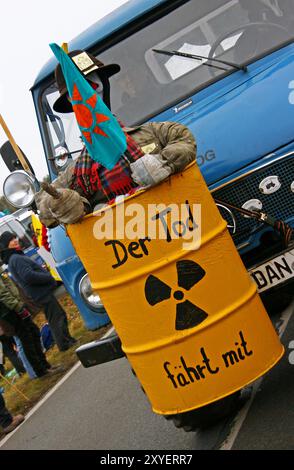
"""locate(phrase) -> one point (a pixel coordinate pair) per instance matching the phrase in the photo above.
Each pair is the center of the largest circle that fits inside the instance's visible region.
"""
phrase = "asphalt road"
(99, 408)
(269, 424)
(104, 408)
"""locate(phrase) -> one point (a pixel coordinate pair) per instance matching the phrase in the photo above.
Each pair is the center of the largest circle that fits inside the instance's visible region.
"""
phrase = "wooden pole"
(49, 188)
(64, 46)
(15, 387)
(14, 145)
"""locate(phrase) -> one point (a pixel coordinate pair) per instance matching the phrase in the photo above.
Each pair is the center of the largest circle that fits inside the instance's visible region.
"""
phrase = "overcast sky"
(27, 28)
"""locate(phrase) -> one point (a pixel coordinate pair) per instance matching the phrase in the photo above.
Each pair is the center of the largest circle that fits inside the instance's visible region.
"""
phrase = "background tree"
(5, 206)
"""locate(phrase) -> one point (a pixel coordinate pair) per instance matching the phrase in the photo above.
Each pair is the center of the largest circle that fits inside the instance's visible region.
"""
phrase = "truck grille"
(279, 204)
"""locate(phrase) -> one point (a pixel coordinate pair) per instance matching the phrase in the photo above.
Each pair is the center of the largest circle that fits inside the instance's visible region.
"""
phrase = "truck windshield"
(235, 31)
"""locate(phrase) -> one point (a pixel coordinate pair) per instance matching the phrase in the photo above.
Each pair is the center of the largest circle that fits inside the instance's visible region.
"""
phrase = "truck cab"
(225, 70)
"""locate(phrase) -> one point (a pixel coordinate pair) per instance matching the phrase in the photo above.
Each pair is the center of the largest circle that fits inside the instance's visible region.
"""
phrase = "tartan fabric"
(90, 176)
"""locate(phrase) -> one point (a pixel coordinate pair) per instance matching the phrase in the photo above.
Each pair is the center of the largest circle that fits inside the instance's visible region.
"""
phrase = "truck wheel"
(203, 418)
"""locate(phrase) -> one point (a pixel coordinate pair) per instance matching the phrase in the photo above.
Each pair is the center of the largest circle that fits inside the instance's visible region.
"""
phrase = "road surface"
(104, 408)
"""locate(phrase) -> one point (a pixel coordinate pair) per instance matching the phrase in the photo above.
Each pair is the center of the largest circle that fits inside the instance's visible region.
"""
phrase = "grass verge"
(37, 388)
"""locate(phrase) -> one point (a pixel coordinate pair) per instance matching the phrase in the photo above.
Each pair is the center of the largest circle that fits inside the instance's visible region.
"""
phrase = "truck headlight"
(19, 188)
(91, 298)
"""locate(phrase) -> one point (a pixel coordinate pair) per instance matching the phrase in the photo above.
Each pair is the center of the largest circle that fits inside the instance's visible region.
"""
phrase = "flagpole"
(64, 46)
(14, 145)
(15, 387)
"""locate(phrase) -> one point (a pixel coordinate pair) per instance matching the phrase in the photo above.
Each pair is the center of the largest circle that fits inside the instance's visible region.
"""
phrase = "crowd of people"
(19, 336)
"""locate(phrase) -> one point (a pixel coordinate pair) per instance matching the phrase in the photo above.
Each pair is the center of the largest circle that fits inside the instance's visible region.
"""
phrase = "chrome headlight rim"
(233, 226)
(61, 158)
(10, 182)
(97, 306)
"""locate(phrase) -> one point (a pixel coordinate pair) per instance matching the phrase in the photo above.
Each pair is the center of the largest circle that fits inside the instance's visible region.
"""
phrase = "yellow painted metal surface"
(37, 226)
(191, 322)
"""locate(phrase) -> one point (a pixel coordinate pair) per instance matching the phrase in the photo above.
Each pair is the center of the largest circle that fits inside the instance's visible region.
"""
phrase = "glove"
(24, 313)
(149, 170)
(69, 208)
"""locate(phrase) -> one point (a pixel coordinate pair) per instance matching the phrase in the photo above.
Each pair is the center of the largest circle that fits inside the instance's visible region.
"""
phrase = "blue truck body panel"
(242, 123)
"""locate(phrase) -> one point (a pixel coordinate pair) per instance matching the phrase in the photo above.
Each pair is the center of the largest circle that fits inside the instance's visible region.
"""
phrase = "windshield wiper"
(65, 154)
(201, 57)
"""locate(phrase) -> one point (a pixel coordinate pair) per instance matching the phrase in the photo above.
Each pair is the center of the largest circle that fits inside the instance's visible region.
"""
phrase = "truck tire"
(209, 415)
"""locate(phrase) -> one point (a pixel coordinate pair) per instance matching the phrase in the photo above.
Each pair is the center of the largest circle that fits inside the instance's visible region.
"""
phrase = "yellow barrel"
(189, 317)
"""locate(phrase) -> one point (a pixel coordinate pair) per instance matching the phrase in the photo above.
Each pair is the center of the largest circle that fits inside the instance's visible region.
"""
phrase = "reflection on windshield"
(204, 60)
(236, 31)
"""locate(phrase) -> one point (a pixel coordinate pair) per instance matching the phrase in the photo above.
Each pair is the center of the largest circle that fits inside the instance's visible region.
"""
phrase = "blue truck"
(225, 70)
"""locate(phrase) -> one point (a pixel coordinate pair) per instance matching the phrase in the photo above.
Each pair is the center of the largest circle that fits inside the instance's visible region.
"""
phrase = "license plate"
(273, 272)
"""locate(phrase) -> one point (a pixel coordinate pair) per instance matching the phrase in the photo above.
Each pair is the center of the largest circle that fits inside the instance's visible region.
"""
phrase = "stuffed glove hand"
(66, 205)
(149, 170)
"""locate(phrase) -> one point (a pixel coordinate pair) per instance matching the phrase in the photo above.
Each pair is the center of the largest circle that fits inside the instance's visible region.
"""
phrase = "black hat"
(86, 63)
(5, 239)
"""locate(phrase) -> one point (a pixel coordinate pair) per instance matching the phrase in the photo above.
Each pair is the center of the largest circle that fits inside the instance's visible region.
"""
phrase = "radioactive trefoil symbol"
(189, 273)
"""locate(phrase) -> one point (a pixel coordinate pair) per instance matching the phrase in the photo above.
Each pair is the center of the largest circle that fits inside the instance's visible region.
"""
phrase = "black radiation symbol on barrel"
(188, 315)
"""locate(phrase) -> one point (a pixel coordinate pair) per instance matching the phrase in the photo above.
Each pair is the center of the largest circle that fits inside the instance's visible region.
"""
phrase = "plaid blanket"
(90, 176)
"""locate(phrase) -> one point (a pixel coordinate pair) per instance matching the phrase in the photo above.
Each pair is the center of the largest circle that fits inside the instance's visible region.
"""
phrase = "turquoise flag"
(101, 132)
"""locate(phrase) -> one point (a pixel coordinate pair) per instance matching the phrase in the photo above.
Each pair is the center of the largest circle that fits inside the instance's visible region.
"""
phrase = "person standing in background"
(15, 320)
(8, 346)
(38, 284)
(8, 422)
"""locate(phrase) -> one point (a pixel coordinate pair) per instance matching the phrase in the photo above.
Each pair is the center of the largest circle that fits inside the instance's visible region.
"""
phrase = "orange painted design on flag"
(86, 117)
(92, 101)
(101, 118)
(88, 136)
(83, 114)
(76, 95)
(97, 130)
